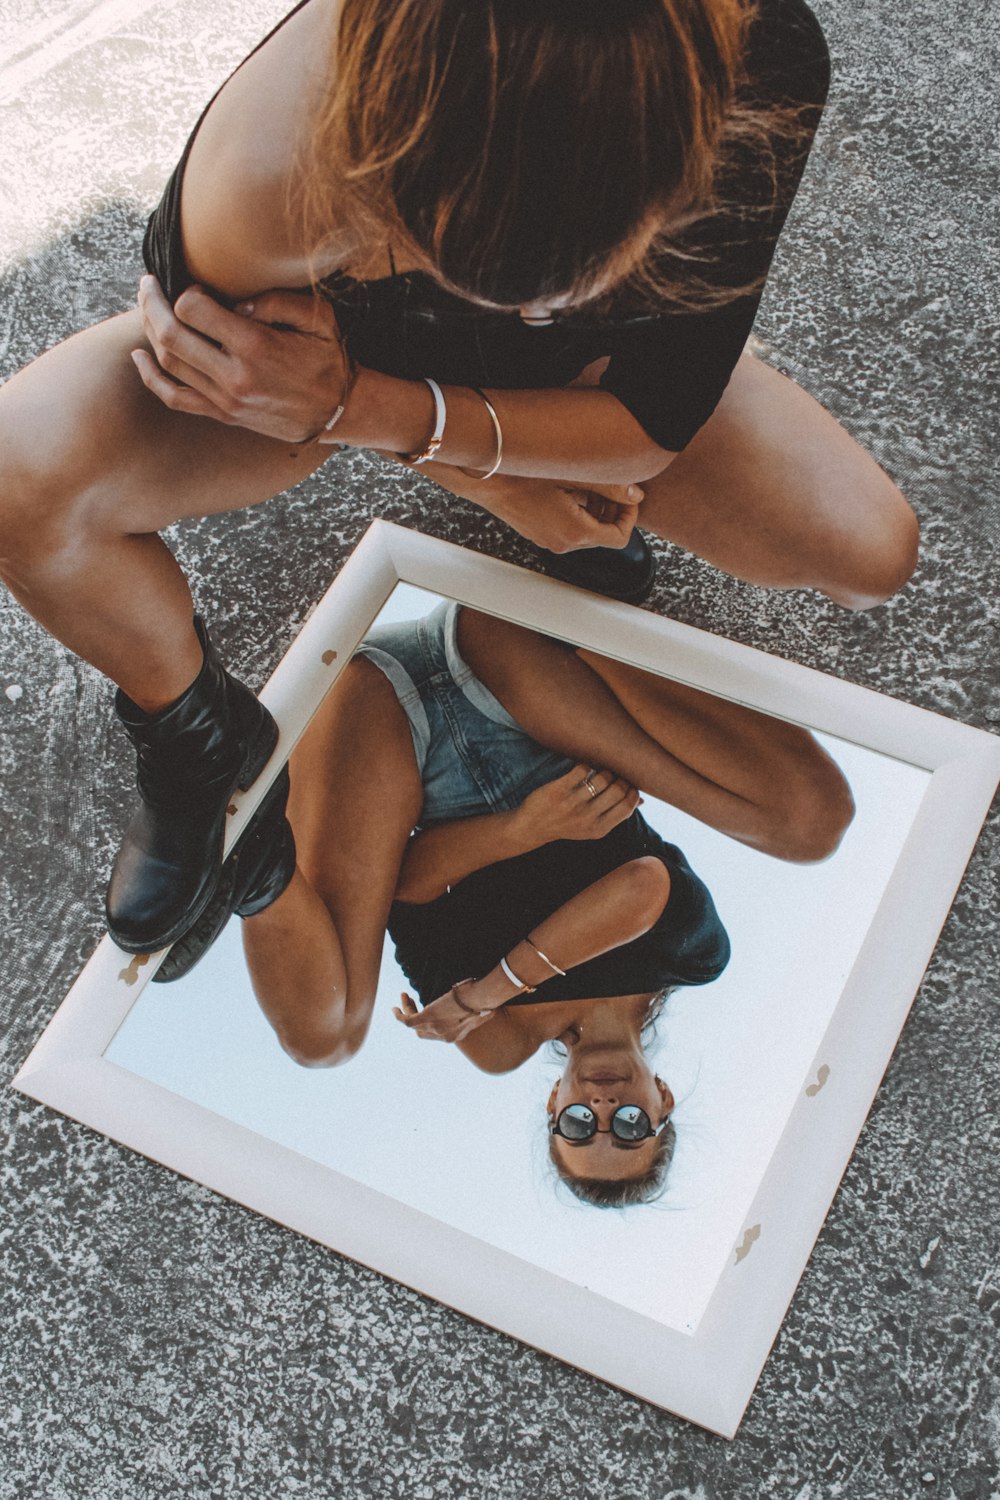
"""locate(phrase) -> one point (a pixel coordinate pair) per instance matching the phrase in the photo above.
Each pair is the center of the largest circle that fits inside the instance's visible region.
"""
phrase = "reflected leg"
(314, 956)
(753, 777)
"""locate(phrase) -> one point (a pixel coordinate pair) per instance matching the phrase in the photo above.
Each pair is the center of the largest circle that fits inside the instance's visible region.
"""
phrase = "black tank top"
(464, 933)
(668, 369)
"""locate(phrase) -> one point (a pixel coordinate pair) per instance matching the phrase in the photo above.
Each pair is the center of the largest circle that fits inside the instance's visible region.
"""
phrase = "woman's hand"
(559, 515)
(443, 1020)
(567, 808)
(276, 365)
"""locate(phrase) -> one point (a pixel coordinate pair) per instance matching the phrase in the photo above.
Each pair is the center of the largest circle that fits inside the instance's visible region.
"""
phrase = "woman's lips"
(604, 1078)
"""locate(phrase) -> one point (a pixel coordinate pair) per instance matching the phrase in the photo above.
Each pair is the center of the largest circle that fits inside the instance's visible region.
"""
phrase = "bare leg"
(758, 779)
(314, 955)
(93, 467)
(773, 490)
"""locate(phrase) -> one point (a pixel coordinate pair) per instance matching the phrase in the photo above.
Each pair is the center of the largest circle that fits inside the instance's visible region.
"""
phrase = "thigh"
(355, 799)
(79, 424)
(772, 489)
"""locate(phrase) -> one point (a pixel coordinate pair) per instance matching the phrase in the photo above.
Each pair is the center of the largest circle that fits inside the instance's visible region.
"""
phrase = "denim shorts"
(472, 756)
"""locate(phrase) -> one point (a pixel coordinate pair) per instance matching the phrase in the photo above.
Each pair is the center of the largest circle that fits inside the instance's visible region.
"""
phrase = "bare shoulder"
(239, 236)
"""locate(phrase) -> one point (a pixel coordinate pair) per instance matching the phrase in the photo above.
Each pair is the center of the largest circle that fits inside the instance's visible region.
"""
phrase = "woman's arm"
(562, 809)
(615, 910)
(277, 367)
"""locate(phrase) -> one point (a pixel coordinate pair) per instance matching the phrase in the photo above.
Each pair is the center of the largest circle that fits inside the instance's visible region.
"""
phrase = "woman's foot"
(192, 756)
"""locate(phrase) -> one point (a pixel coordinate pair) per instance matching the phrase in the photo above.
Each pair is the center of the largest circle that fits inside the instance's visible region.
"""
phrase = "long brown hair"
(526, 148)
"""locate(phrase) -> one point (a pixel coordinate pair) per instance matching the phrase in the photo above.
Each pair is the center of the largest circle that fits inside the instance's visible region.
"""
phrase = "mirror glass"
(418, 1120)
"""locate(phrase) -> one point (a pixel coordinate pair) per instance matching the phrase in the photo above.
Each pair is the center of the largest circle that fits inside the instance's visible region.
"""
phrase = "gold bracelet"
(497, 432)
(544, 957)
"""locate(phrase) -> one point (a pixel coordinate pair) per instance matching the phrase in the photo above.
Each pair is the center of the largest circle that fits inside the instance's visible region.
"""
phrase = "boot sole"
(260, 752)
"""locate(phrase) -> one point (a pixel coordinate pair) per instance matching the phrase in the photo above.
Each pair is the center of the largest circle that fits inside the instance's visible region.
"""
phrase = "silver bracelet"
(440, 419)
(524, 989)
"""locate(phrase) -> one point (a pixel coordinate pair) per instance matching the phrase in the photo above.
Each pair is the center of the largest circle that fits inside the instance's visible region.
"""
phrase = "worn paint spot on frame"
(750, 1239)
(328, 657)
(821, 1078)
(230, 809)
(131, 974)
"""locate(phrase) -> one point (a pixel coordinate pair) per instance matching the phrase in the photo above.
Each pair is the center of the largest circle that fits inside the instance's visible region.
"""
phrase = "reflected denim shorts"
(473, 757)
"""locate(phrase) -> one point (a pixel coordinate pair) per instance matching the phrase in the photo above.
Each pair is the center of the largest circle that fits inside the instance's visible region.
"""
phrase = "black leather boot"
(627, 573)
(193, 755)
(255, 874)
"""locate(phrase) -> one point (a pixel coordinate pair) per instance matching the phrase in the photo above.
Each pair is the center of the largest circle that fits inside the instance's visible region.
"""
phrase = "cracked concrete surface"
(158, 1341)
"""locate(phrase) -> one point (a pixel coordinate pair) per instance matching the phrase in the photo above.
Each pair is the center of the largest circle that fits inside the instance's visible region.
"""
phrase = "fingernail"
(634, 492)
(245, 309)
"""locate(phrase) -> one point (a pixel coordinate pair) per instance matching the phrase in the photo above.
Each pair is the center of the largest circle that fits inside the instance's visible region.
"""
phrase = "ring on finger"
(591, 788)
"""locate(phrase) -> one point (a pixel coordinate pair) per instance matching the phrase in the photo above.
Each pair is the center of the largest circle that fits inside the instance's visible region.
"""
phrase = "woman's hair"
(607, 1192)
(529, 148)
(622, 1193)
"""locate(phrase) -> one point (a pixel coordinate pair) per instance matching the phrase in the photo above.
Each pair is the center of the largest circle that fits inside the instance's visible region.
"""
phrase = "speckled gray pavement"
(157, 1341)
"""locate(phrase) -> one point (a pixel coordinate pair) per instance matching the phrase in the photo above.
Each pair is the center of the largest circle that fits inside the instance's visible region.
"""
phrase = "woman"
(533, 903)
(501, 204)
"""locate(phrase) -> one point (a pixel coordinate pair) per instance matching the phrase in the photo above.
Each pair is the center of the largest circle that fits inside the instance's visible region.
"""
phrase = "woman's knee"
(883, 559)
(50, 498)
(318, 1047)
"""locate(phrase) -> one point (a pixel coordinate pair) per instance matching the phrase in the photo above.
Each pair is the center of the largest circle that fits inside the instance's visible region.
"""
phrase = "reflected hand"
(277, 366)
(583, 804)
(443, 1020)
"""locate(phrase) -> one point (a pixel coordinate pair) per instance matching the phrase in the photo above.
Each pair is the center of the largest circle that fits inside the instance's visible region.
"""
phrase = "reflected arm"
(439, 857)
(615, 910)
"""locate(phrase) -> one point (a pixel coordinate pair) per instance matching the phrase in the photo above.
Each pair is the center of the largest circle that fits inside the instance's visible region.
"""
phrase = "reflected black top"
(465, 932)
(669, 369)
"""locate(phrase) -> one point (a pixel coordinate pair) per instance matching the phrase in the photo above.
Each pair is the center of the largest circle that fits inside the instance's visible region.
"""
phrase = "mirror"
(418, 1120)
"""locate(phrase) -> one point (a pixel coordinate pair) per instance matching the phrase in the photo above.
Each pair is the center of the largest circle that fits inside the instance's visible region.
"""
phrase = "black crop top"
(669, 370)
(464, 933)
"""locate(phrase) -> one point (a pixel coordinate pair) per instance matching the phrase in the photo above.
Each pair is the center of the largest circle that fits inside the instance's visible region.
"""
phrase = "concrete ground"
(157, 1341)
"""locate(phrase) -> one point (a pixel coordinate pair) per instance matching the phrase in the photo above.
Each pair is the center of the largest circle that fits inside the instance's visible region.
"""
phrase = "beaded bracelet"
(461, 1003)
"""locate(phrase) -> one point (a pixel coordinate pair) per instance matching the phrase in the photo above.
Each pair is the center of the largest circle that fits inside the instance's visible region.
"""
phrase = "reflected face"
(604, 1077)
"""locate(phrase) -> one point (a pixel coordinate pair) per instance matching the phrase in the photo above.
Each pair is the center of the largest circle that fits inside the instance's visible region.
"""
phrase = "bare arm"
(565, 808)
(615, 910)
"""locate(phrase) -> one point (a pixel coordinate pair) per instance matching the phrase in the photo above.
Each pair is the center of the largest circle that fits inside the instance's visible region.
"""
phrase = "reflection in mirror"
(537, 930)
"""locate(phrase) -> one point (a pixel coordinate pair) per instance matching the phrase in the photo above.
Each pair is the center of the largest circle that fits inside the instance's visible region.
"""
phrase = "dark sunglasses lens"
(577, 1122)
(630, 1123)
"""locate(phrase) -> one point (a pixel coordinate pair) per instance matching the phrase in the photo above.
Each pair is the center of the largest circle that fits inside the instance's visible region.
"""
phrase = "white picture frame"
(707, 1376)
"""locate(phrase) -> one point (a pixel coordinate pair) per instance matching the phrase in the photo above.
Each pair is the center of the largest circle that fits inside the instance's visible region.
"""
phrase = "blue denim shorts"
(473, 757)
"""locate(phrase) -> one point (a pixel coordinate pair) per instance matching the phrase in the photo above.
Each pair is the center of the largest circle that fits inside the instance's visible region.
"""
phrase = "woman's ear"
(665, 1095)
(550, 1103)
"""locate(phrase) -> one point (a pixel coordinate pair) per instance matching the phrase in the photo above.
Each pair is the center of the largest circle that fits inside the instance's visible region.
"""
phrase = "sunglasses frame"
(555, 1127)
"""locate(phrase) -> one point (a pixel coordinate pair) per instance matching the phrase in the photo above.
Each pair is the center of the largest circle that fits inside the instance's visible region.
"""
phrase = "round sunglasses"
(577, 1123)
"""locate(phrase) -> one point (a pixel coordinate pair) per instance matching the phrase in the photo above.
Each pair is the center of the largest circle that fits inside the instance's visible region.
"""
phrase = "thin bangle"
(345, 395)
(461, 1003)
(544, 957)
(523, 989)
(423, 455)
(497, 432)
